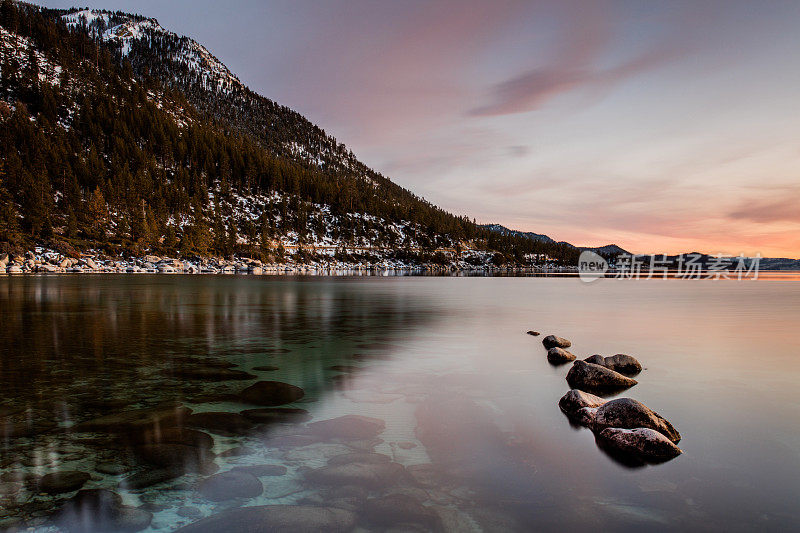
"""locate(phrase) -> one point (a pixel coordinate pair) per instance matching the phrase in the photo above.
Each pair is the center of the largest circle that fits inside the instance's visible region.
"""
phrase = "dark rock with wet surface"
(276, 518)
(627, 413)
(590, 377)
(622, 363)
(230, 485)
(553, 341)
(559, 356)
(643, 442)
(271, 393)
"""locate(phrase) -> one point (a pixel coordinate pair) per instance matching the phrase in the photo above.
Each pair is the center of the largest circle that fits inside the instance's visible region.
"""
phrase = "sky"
(662, 127)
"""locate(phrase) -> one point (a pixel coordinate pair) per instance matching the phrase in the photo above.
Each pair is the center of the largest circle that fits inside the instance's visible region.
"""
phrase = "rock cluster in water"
(623, 425)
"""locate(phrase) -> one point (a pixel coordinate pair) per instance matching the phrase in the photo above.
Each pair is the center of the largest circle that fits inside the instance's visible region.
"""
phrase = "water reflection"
(227, 403)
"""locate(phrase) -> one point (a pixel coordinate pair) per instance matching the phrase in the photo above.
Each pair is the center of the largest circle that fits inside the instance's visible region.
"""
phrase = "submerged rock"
(352, 427)
(220, 422)
(558, 356)
(262, 470)
(100, 510)
(266, 368)
(148, 478)
(397, 509)
(277, 519)
(212, 374)
(627, 413)
(552, 341)
(138, 419)
(271, 393)
(373, 475)
(111, 469)
(359, 457)
(230, 485)
(176, 456)
(644, 442)
(575, 400)
(177, 435)
(622, 363)
(65, 481)
(595, 378)
(270, 415)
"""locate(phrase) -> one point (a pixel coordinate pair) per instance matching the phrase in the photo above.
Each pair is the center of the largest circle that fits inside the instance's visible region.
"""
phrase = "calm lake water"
(96, 372)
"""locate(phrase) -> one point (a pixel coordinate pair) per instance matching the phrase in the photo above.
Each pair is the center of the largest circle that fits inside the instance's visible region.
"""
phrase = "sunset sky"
(659, 126)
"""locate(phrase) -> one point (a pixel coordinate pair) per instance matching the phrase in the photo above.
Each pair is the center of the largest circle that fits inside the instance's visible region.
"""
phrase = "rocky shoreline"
(45, 261)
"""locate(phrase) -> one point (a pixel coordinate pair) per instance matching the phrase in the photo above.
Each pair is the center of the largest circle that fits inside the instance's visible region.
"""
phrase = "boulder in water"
(622, 363)
(643, 442)
(627, 413)
(552, 341)
(559, 356)
(575, 400)
(590, 377)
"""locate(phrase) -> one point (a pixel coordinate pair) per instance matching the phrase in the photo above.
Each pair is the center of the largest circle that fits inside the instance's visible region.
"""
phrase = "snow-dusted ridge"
(128, 30)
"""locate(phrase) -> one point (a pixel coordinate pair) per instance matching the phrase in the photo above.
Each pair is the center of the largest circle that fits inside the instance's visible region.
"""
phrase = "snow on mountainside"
(127, 31)
(20, 49)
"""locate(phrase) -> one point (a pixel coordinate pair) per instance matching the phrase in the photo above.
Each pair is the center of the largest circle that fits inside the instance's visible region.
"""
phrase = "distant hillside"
(609, 250)
(119, 135)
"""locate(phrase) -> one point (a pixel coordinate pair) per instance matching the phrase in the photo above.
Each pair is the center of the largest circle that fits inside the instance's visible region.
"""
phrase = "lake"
(106, 379)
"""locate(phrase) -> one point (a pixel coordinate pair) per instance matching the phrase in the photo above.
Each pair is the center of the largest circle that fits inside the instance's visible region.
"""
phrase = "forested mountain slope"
(122, 136)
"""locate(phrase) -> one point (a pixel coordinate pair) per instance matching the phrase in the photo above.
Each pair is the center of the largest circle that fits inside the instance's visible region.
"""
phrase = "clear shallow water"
(443, 362)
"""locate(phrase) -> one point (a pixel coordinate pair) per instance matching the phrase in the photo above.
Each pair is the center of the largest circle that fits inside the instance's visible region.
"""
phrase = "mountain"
(502, 230)
(609, 250)
(121, 136)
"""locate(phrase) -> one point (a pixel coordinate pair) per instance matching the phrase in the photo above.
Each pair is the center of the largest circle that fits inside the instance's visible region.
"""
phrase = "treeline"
(100, 152)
